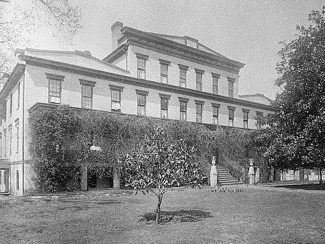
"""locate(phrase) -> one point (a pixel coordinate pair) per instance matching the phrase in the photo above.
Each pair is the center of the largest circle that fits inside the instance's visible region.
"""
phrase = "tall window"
(231, 83)
(17, 135)
(142, 101)
(215, 118)
(87, 96)
(231, 115)
(215, 81)
(116, 98)
(1, 145)
(182, 75)
(17, 179)
(164, 99)
(199, 111)
(10, 104)
(164, 71)
(141, 65)
(5, 143)
(199, 75)
(55, 87)
(245, 118)
(87, 93)
(258, 120)
(10, 139)
(18, 96)
(183, 108)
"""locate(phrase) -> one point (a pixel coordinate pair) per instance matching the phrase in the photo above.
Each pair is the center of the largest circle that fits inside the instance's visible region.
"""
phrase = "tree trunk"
(301, 175)
(158, 209)
(84, 177)
(116, 178)
(320, 176)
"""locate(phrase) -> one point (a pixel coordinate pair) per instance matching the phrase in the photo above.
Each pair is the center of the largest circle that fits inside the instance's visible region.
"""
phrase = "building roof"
(257, 97)
(174, 46)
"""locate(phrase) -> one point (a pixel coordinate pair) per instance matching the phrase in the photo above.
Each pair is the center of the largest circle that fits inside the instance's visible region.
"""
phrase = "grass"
(310, 187)
(251, 216)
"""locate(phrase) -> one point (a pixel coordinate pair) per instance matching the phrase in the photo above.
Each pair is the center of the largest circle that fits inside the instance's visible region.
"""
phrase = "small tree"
(159, 163)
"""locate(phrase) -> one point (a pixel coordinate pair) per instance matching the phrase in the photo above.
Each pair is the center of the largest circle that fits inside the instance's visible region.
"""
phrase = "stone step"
(225, 177)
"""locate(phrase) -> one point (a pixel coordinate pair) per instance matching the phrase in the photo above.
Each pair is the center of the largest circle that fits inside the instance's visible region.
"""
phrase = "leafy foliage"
(295, 137)
(159, 163)
(63, 137)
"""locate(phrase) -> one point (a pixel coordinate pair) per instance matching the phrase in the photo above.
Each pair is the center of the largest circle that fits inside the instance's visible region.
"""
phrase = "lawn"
(251, 216)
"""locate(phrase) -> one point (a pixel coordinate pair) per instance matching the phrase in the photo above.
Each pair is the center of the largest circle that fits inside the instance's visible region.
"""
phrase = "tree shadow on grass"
(178, 216)
(312, 187)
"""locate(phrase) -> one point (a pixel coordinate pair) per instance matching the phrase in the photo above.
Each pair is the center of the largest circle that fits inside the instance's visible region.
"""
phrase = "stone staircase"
(225, 178)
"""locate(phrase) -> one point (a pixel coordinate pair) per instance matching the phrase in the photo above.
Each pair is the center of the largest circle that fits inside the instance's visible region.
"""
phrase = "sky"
(248, 31)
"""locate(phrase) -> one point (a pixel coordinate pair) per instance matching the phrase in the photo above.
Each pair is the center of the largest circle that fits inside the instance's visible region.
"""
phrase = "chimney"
(116, 34)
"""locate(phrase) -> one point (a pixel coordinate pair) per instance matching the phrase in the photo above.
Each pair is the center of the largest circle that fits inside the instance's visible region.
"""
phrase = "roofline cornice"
(12, 81)
(140, 82)
(130, 32)
(116, 53)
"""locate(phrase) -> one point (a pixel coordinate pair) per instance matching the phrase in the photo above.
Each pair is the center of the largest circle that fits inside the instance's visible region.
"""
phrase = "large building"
(147, 74)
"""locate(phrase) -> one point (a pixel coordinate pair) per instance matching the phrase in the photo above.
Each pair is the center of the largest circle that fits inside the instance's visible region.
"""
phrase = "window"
(245, 118)
(183, 108)
(17, 179)
(164, 99)
(116, 98)
(87, 93)
(10, 139)
(258, 120)
(18, 96)
(182, 75)
(199, 75)
(231, 115)
(142, 100)
(55, 87)
(17, 135)
(231, 82)
(164, 71)
(215, 118)
(215, 79)
(141, 65)
(199, 111)
(5, 143)
(10, 104)
(1, 145)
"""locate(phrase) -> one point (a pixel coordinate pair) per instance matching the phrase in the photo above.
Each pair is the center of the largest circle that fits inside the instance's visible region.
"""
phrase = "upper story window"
(164, 100)
(10, 139)
(141, 65)
(10, 104)
(245, 118)
(199, 111)
(87, 93)
(231, 111)
(18, 96)
(199, 76)
(142, 102)
(1, 145)
(215, 81)
(183, 108)
(215, 113)
(4, 143)
(116, 98)
(182, 75)
(164, 71)
(231, 83)
(258, 120)
(55, 87)
(17, 135)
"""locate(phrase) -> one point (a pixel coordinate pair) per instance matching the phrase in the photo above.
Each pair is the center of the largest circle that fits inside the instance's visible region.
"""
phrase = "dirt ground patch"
(251, 216)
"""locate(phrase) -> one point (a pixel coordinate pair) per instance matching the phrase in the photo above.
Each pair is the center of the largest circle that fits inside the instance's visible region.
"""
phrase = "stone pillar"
(258, 175)
(84, 177)
(213, 173)
(116, 178)
(251, 173)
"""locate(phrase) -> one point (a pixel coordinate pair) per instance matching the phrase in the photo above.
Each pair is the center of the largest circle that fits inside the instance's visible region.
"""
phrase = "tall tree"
(21, 19)
(299, 123)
